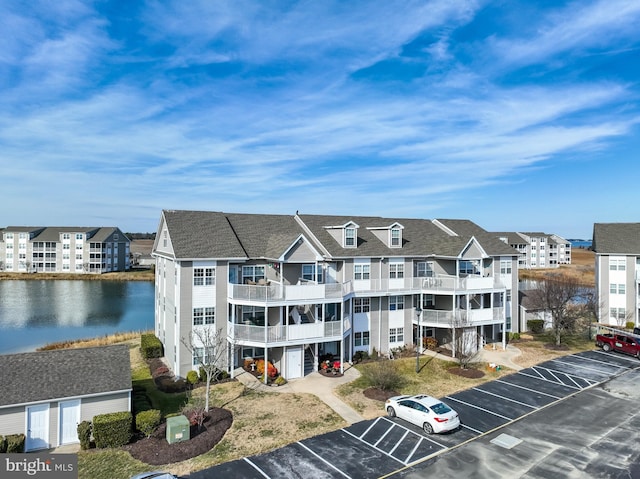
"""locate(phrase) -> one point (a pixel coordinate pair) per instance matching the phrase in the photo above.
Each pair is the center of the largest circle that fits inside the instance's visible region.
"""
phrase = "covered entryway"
(37, 427)
(69, 420)
(294, 362)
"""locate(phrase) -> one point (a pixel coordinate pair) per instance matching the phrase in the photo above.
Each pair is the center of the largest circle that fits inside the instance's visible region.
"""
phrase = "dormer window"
(349, 237)
(396, 237)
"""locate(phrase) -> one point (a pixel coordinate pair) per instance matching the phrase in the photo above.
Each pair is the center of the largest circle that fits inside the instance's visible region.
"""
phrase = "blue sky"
(518, 115)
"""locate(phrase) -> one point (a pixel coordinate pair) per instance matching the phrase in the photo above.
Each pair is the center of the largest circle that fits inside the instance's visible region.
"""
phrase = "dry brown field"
(582, 268)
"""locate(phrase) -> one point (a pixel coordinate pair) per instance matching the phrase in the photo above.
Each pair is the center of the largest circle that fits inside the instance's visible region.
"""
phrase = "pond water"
(37, 312)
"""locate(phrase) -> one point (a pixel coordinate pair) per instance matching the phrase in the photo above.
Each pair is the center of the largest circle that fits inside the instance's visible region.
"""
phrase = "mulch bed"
(330, 374)
(469, 373)
(156, 450)
(378, 394)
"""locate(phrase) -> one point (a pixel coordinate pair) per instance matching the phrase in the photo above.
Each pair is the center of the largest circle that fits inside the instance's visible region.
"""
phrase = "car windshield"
(440, 408)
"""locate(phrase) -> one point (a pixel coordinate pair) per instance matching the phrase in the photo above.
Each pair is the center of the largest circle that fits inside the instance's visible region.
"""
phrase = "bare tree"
(559, 294)
(210, 348)
(464, 341)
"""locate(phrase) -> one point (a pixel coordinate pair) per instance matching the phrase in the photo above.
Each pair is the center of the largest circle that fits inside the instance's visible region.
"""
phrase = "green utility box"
(177, 429)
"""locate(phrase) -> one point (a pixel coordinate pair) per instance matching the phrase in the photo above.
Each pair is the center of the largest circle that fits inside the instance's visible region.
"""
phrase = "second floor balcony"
(461, 317)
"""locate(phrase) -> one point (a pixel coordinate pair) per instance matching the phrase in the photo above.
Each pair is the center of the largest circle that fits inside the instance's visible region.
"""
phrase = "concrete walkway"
(315, 384)
(502, 357)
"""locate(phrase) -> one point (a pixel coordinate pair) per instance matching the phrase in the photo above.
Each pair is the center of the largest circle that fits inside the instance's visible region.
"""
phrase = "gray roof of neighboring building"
(513, 237)
(616, 238)
(201, 234)
(52, 233)
(44, 375)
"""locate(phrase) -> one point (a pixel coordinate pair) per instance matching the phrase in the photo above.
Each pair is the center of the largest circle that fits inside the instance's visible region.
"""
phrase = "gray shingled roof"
(201, 234)
(52, 233)
(616, 238)
(513, 237)
(43, 375)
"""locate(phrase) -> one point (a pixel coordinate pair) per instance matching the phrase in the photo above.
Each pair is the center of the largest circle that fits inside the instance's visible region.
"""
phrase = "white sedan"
(427, 412)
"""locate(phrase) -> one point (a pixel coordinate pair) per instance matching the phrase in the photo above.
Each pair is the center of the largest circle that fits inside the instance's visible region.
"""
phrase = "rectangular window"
(79, 236)
(252, 273)
(204, 276)
(613, 289)
(361, 305)
(621, 288)
(424, 269)
(467, 267)
(362, 338)
(505, 266)
(198, 356)
(428, 301)
(395, 237)
(198, 316)
(617, 264)
(396, 270)
(310, 273)
(396, 335)
(350, 237)
(396, 303)
(361, 271)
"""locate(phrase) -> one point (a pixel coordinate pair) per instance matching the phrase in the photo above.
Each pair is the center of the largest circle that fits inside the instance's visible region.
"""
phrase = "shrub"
(430, 343)
(148, 421)
(140, 405)
(272, 372)
(202, 374)
(170, 385)
(630, 325)
(84, 434)
(535, 325)
(161, 371)
(514, 336)
(280, 381)
(150, 346)
(360, 356)
(374, 354)
(192, 377)
(3, 445)
(383, 375)
(15, 443)
(113, 429)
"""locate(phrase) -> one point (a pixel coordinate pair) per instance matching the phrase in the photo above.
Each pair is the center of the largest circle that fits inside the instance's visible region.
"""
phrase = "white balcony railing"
(312, 291)
(461, 317)
(286, 333)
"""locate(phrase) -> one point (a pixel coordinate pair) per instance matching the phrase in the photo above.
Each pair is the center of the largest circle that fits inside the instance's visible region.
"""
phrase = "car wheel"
(391, 412)
(428, 428)
(606, 347)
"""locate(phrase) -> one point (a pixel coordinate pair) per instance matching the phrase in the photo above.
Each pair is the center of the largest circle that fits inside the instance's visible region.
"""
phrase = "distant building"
(538, 250)
(55, 249)
(293, 289)
(617, 248)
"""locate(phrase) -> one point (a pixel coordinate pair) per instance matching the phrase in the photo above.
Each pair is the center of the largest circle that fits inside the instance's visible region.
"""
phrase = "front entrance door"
(69, 420)
(294, 362)
(37, 427)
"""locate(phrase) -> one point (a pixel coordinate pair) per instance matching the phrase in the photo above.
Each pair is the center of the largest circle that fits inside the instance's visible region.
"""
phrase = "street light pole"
(418, 339)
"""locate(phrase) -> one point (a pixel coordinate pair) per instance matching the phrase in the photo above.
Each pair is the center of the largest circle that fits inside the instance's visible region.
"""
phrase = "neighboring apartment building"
(538, 250)
(54, 249)
(617, 248)
(290, 289)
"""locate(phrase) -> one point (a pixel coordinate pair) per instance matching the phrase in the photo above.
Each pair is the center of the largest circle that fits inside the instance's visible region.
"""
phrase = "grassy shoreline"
(131, 275)
(107, 339)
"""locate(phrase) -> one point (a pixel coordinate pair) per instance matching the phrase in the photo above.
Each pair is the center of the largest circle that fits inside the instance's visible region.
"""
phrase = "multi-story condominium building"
(617, 249)
(538, 250)
(56, 249)
(291, 289)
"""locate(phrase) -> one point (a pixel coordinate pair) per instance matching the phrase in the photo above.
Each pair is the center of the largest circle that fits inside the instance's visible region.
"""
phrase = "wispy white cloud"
(245, 107)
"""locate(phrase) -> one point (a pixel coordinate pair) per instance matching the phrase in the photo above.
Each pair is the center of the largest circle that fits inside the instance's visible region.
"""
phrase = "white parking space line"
(597, 371)
(385, 434)
(527, 389)
(406, 433)
(369, 428)
(413, 451)
(257, 468)
(505, 398)
(617, 366)
(325, 461)
(412, 432)
(550, 371)
(547, 380)
(472, 429)
(376, 448)
(480, 408)
(553, 371)
(619, 356)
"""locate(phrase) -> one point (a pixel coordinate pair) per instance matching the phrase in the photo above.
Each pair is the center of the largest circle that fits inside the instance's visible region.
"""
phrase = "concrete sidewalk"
(313, 383)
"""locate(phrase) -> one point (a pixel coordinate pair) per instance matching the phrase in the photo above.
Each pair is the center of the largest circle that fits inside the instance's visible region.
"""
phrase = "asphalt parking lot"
(576, 391)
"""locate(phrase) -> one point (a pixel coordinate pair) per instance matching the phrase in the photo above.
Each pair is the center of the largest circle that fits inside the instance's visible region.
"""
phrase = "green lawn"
(165, 402)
